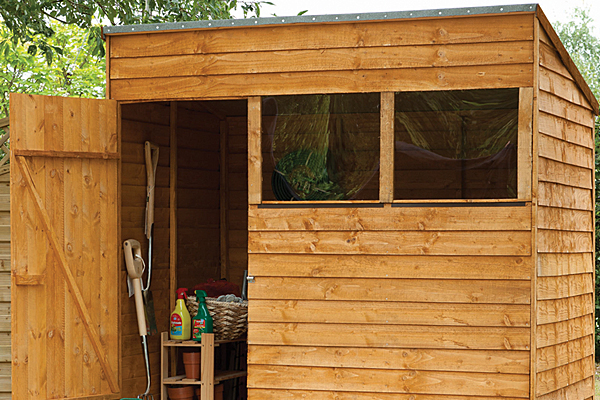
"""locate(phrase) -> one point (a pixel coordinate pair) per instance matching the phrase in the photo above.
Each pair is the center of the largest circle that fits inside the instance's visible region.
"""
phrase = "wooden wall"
(238, 199)
(381, 301)
(489, 51)
(5, 359)
(141, 122)
(565, 282)
(198, 195)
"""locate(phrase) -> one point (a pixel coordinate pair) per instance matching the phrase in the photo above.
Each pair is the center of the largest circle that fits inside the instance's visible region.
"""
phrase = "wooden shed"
(411, 192)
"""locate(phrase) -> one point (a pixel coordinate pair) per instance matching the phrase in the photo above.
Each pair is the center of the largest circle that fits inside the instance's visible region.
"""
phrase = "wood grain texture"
(564, 376)
(411, 290)
(394, 219)
(507, 243)
(336, 59)
(561, 332)
(565, 308)
(565, 197)
(565, 152)
(274, 394)
(254, 153)
(386, 152)
(564, 174)
(68, 352)
(562, 354)
(565, 242)
(558, 287)
(397, 313)
(566, 130)
(561, 108)
(390, 381)
(238, 86)
(583, 389)
(349, 335)
(508, 362)
(344, 35)
(369, 266)
(557, 264)
(525, 143)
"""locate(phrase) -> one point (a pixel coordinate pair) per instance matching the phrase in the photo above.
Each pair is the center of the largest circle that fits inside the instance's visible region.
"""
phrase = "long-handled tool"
(151, 155)
(135, 268)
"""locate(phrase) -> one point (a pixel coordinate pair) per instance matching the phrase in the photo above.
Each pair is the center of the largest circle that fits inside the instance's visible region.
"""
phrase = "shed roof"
(379, 16)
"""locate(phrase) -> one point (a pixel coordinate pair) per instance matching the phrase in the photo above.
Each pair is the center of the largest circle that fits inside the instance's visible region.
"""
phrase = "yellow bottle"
(180, 318)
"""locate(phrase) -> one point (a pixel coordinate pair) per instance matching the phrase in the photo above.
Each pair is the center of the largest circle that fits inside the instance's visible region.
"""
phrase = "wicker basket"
(230, 320)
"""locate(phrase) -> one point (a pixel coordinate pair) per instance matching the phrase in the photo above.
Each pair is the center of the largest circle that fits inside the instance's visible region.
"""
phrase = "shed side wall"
(565, 284)
(357, 302)
(432, 54)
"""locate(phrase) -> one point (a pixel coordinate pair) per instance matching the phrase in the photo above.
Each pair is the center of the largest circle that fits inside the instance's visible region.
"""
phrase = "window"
(321, 147)
(456, 144)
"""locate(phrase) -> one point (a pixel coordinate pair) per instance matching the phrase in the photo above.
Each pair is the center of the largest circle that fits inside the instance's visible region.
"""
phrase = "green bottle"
(202, 322)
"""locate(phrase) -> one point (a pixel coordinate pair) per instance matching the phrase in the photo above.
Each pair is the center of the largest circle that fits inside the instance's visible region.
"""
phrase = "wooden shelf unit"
(208, 376)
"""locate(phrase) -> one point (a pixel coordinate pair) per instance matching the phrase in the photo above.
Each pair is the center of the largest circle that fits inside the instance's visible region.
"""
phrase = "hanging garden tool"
(151, 155)
(135, 268)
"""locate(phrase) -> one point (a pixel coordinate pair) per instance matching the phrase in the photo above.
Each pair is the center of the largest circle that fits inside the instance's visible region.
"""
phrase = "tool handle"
(139, 306)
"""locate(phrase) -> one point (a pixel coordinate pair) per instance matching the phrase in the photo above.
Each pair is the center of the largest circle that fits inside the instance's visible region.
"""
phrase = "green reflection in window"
(321, 147)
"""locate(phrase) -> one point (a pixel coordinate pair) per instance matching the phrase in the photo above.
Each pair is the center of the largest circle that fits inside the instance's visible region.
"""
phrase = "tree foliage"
(31, 21)
(584, 48)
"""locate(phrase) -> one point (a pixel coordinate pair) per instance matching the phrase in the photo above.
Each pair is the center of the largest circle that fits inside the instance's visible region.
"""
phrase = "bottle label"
(176, 325)
(198, 328)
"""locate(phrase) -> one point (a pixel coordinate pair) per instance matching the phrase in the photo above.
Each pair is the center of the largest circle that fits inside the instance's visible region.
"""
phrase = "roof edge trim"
(311, 19)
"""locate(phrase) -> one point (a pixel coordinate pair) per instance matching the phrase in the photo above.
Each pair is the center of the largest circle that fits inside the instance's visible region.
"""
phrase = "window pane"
(456, 144)
(321, 147)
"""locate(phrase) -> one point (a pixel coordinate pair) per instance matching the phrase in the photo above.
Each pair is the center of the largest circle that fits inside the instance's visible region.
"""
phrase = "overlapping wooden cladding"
(565, 349)
(458, 53)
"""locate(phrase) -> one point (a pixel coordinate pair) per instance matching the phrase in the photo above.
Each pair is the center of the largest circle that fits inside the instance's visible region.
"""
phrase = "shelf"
(220, 376)
(192, 343)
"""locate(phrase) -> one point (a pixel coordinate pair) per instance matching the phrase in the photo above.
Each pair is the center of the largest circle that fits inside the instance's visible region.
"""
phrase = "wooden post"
(207, 366)
(224, 193)
(525, 143)
(173, 217)
(386, 149)
(254, 151)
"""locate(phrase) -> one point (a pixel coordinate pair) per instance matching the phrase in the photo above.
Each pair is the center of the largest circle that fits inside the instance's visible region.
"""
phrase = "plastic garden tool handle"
(135, 268)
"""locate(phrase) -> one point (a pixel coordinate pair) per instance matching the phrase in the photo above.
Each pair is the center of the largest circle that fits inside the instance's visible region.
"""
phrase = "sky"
(555, 10)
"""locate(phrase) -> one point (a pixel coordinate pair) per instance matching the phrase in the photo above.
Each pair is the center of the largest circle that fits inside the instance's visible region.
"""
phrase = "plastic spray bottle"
(202, 322)
(180, 318)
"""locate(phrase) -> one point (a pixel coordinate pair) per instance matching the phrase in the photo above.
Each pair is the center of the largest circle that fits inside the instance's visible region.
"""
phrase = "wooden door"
(65, 247)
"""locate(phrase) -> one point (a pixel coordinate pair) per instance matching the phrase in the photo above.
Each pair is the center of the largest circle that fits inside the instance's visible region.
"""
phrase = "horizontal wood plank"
(550, 60)
(561, 332)
(337, 59)
(505, 243)
(564, 219)
(368, 266)
(564, 242)
(499, 361)
(558, 287)
(400, 336)
(566, 130)
(561, 108)
(583, 389)
(390, 219)
(388, 381)
(565, 174)
(562, 354)
(556, 264)
(295, 36)
(561, 196)
(410, 290)
(276, 394)
(411, 79)
(551, 380)
(566, 152)
(556, 310)
(393, 313)
(562, 87)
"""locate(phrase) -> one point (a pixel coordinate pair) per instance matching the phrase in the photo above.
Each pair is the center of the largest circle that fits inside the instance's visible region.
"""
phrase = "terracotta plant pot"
(191, 360)
(180, 392)
(218, 392)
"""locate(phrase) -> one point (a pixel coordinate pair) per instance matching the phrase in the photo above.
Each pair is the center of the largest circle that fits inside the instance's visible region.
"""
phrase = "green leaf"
(302, 12)
(32, 49)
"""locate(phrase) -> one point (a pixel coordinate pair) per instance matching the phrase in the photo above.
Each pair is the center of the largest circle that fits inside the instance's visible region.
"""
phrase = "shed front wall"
(492, 51)
(360, 302)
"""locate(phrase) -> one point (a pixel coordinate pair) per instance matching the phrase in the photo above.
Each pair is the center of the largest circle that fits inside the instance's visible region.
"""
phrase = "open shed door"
(65, 247)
